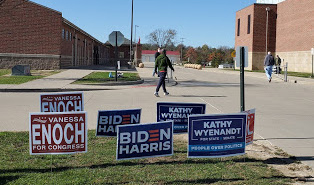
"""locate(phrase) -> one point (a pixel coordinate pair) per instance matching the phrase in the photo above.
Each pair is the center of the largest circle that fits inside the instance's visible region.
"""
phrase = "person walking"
(268, 65)
(156, 55)
(278, 63)
(162, 62)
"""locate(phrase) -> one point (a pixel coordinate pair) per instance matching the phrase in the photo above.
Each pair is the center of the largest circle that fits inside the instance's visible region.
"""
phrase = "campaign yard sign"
(145, 140)
(212, 136)
(179, 113)
(250, 126)
(109, 120)
(57, 133)
(62, 102)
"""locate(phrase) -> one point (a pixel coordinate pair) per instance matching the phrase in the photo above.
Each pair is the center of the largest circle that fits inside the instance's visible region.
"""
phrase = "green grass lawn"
(4, 71)
(98, 166)
(101, 77)
(6, 78)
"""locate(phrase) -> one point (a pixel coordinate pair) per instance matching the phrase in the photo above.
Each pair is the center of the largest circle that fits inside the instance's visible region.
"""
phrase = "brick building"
(290, 32)
(39, 36)
(149, 56)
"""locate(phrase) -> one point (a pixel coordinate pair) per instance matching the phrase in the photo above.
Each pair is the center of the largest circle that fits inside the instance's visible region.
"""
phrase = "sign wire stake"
(51, 163)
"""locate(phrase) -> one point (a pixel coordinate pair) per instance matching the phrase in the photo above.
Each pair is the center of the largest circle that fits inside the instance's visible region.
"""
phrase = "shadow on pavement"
(198, 96)
(194, 83)
(102, 67)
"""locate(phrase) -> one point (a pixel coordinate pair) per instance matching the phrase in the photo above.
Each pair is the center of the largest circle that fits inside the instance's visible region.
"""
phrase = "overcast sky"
(199, 22)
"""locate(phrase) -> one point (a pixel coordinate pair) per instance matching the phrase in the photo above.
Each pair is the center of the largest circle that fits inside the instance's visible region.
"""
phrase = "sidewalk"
(62, 81)
(275, 77)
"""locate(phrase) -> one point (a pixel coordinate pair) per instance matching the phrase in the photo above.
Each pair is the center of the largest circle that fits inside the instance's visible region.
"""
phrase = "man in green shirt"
(162, 62)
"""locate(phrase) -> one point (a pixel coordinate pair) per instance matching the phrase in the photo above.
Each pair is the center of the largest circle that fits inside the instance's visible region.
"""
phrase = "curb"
(117, 83)
(73, 89)
(51, 90)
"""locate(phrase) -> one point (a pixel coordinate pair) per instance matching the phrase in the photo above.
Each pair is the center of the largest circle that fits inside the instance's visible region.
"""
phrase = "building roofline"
(246, 7)
(67, 21)
(257, 5)
(44, 7)
(79, 29)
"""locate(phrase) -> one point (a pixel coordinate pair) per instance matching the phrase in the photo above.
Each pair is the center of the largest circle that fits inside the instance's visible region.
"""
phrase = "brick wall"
(295, 21)
(25, 26)
(259, 28)
(244, 39)
(42, 62)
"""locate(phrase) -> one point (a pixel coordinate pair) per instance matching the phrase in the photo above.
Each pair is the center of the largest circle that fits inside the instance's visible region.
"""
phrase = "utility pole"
(131, 45)
(181, 59)
(267, 10)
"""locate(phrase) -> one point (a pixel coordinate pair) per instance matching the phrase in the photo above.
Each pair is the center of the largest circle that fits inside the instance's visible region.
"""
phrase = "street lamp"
(181, 50)
(131, 45)
(267, 10)
(135, 33)
(135, 54)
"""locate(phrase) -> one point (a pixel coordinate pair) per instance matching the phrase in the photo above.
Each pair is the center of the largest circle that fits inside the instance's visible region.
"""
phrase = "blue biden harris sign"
(216, 135)
(145, 140)
(109, 120)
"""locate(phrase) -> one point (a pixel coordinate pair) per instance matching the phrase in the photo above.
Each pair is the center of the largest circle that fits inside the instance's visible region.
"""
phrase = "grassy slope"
(98, 166)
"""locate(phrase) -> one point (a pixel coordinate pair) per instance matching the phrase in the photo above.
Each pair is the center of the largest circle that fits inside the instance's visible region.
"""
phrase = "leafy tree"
(191, 54)
(162, 38)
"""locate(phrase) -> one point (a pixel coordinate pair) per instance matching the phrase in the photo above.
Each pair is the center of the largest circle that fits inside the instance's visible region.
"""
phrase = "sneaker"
(156, 94)
(166, 93)
(269, 80)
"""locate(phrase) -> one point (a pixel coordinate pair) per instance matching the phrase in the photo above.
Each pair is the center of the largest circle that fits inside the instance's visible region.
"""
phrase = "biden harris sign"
(214, 136)
(109, 120)
(145, 140)
(179, 113)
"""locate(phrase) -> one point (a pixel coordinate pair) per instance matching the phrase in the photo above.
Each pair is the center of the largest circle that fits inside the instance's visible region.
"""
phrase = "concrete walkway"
(62, 81)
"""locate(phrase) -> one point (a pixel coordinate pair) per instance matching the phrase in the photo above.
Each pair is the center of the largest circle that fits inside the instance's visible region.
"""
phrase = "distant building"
(290, 32)
(39, 36)
(149, 56)
(124, 53)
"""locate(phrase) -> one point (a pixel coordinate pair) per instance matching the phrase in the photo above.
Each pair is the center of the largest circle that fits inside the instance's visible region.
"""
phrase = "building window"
(248, 24)
(67, 35)
(121, 54)
(238, 27)
(63, 34)
(70, 36)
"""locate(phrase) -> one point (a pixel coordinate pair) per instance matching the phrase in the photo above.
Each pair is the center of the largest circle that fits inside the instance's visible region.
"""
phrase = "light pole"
(135, 33)
(267, 10)
(135, 54)
(131, 45)
(181, 50)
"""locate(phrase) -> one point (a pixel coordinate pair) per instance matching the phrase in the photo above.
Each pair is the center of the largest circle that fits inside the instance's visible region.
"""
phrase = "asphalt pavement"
(284, 110)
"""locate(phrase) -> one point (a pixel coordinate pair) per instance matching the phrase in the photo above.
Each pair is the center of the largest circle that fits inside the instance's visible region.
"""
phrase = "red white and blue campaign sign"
(250, 126)
(145, 140)
(179, 113)
(57, 133)
(109, 120)
(62, 102)
(214, 136)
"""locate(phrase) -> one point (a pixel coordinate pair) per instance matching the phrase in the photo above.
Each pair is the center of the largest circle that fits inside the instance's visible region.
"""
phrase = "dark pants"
(162, 78)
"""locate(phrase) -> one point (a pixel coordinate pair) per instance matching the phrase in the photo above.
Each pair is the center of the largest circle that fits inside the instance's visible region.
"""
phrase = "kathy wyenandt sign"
(62, 102)
(179, 113)
(145, 140)
(109, 120)
(57, 133)
(215, 136)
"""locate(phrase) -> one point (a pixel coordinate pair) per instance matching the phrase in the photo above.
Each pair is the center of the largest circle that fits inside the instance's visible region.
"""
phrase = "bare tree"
(162, 38)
